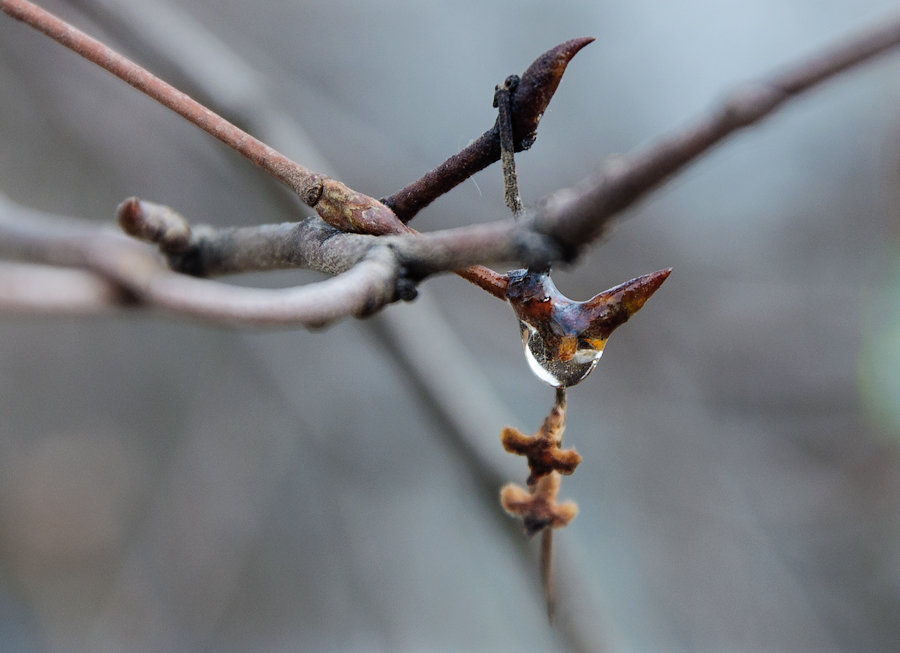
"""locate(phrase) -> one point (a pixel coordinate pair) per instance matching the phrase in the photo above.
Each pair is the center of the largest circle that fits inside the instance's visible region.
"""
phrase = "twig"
(547, 573)
(528, 103)
(335, 203)
(507, 144)
(547, 581)
(205, 252)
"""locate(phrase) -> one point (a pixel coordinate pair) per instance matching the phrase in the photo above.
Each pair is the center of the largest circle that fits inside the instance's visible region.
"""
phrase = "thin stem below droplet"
(547, 581)
(547, 573)
(561, 400)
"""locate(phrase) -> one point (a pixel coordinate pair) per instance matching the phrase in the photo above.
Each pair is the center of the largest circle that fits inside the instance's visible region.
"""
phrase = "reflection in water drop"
(549, 367)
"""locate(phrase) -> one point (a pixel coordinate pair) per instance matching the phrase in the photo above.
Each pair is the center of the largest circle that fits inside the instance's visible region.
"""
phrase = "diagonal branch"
(335, 203)
(577, 216)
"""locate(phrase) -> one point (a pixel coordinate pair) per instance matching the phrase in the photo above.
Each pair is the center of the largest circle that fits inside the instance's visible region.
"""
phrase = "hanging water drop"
(564, 339)
(548, 366)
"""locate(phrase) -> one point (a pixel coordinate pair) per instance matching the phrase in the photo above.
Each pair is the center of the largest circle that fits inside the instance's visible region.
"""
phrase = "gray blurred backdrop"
(165, 486)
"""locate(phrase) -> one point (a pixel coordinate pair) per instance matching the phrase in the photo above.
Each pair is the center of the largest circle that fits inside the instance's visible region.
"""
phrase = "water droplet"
(547, 365)
(564, 339)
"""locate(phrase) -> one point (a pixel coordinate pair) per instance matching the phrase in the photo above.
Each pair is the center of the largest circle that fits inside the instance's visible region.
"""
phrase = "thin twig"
(507, 144)
(337, 204)
(206, 252)
(547, 573)
(547, 581)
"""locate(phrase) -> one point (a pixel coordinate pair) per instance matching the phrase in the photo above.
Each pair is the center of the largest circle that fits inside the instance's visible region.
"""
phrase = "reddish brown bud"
(536, 88)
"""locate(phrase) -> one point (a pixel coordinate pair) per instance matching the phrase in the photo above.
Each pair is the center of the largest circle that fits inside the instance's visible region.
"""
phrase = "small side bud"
(154, 223)
(349, 210)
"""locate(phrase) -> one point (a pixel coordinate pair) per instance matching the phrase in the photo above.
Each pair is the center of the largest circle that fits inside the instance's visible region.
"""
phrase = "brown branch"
(528, 103)
(335, 203)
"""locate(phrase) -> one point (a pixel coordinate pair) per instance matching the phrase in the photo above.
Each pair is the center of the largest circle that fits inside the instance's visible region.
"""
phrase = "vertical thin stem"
(507, 144)
(547, 573)
(547, 579)
(561, 401)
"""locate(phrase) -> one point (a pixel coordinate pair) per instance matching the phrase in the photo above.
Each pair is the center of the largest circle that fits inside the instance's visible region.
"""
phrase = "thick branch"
(139, 276)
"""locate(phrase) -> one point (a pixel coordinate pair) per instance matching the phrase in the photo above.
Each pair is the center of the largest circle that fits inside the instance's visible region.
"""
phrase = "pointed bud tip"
(550, 66)
(639, 288)
(537, 86)
(613, 307)
(637, 291)
(654, 280)
(571, 47)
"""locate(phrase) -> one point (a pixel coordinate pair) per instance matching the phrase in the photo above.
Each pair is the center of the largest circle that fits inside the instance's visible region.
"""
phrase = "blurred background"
(165, 486)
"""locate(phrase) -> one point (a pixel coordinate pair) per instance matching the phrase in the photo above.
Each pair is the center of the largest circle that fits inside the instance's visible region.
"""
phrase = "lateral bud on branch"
(349, 210)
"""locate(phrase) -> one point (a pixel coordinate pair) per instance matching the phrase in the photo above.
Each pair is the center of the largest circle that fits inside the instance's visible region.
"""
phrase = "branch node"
(406, 289)
(349, 210)
(311, 193)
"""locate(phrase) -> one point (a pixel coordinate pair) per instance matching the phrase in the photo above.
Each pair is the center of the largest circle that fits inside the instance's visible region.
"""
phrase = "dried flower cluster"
(537, 506)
